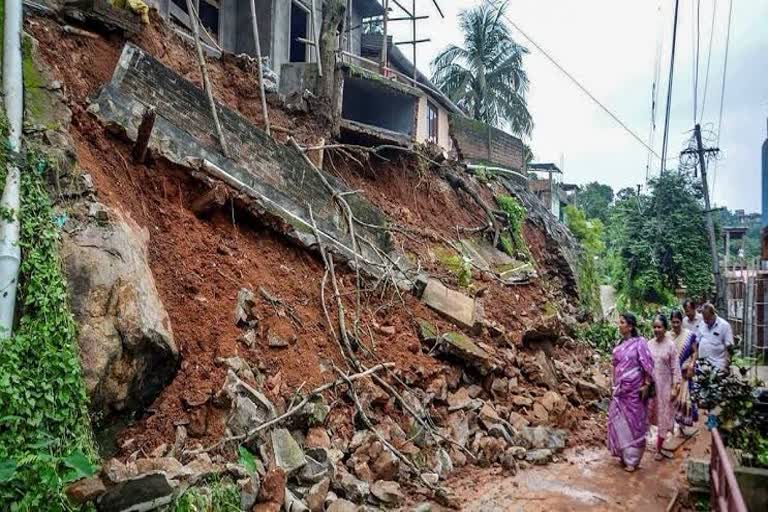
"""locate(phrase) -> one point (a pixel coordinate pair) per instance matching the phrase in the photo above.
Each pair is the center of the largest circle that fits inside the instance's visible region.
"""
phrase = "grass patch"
(219, 496)
(459, 266)
(45, 438)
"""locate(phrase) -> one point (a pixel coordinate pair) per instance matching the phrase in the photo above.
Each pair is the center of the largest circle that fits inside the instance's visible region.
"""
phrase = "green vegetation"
(486, 76)
(589, 233)
(45, 440)
(219, 496)
(601, 336)
(732, 395)
(456, 264)
(512, 241)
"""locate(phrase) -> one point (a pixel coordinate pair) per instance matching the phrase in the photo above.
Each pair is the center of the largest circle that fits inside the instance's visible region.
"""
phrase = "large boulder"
(126, 344)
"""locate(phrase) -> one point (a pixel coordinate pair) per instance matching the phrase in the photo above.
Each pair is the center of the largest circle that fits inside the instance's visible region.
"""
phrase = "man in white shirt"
(715, 337)
(692, 318)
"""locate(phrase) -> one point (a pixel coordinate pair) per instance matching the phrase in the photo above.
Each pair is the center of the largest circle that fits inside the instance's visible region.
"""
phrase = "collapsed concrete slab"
(489, 259)
(274, 181)
(455, 306)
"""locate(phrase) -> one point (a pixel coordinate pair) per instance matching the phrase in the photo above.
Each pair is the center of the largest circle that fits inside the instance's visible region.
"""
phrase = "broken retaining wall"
(481, 144)
(279, 184)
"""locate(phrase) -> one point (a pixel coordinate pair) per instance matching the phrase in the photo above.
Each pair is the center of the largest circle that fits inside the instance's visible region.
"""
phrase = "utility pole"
(385, 43)
(669, 93)
(719, 291)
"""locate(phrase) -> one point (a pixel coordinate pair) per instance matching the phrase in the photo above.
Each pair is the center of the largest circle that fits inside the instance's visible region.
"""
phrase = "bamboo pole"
(206, 80)
(255, 23)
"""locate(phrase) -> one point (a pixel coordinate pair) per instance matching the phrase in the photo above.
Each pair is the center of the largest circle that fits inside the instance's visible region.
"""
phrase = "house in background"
(546, 183)
(380, 103)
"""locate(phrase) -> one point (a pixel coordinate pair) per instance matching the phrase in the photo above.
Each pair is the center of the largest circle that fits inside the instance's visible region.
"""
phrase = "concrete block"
(697, 473)
(455, 306)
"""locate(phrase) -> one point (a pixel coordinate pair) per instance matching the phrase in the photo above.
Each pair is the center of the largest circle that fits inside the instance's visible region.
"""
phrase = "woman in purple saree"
(627, 414)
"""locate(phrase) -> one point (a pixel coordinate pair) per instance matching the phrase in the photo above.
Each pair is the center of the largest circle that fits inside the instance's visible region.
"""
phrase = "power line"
(669, 91)
(722, 90)
(696, 60)
(709, 59)
(655, 87)
(580, 86)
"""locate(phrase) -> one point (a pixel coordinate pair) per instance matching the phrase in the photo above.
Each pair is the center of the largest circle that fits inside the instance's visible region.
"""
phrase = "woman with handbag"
(666, 377)
(632, 379)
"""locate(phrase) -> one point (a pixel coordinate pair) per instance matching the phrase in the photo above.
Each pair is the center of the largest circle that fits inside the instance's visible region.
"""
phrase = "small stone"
(363, 471)
(386, 466)
(352, 488)
(269, 506)
(315, 497)
(458, 457)
(522, 401)
(276, 342)
(181, 439)
(167, 465)
(430, 478)
(317, 437)
(341, 505)
(273, 487)
(114, 471)
(518, 452)
(509, 461)
(553, 402)
(201, 468)
(293, 503)
(474, 391)
(500, 388)
(249, 491)
(244, 306)
(540, 413)
(518, 421)
(317, 466)
(444, 464)
(489, 414)
(160, 451)
(386, 330)
(248, 339)
(85, 490)
(388, 492)
(288, 454)
(438, 388)
(539, 457)
(459, 425)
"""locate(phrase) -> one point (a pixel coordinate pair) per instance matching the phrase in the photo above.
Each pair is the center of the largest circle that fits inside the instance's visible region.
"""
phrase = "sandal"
(630, 469)
(658, 456)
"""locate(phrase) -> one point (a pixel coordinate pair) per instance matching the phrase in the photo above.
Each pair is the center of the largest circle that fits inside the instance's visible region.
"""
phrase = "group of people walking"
(652, 378)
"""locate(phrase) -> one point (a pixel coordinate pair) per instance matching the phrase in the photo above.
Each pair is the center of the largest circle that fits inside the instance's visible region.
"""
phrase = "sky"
(611, 47)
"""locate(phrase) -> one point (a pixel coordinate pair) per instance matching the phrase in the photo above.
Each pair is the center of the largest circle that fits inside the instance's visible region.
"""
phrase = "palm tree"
(485, 77)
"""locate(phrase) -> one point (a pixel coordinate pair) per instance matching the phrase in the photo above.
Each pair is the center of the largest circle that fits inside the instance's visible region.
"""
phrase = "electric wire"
(709, 60)
(655, 87)
(697, 38)
(579, 85)
(722, 90)
(669, 91)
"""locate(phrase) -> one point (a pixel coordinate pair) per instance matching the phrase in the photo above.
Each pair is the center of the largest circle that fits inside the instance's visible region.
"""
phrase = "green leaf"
(7, 470)
(80, 463)
(246, 459)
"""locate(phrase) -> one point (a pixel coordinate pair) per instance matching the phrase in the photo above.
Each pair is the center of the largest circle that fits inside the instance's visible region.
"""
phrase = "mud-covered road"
(589, 479)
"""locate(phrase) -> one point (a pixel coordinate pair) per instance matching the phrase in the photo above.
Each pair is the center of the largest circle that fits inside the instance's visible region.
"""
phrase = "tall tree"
(657, 242)
(593, 199)
(485, 76)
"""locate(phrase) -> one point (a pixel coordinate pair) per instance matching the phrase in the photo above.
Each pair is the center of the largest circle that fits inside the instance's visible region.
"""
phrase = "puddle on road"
(556, 486)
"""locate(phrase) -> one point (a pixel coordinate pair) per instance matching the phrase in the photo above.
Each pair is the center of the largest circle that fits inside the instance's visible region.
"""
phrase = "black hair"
(676, 314)
(663, 319)
(632, 321)
(688, 303)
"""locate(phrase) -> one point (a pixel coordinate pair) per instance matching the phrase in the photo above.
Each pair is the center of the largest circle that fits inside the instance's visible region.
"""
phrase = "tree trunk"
(328, 89)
